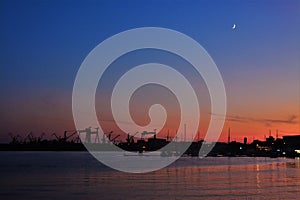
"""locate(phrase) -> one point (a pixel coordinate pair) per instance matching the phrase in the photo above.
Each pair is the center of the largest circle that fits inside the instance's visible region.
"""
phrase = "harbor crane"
(58, 138)
(114, 139)
(66, 136)
(109, 135)
(40, 138)
(104, 137)
(88, 135)
(15, 139)
(148, 133)
(130, 139)
(30, 138)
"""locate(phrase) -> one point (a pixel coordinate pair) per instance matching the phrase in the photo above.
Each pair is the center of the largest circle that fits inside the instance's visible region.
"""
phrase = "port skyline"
(258, 61)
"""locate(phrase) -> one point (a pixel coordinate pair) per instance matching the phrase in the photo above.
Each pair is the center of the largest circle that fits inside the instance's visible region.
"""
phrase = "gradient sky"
(43, 44)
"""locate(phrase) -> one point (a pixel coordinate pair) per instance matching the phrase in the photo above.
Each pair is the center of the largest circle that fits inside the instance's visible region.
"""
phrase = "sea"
(78, 175)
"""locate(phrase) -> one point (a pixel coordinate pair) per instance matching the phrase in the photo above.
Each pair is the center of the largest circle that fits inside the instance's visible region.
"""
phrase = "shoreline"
(79, 147)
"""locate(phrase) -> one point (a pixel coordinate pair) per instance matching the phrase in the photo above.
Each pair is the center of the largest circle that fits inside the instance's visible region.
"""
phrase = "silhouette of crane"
(66, 136)
(114, 139)
(39, 139)
(30, 138)
(130, 139)
(15, 139)
(58, 138)
(148, 133)
(109, 135)
(88, 134)
(104, 137)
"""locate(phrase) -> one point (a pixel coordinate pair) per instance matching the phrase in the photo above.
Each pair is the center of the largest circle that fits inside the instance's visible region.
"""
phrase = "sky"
(43, 44)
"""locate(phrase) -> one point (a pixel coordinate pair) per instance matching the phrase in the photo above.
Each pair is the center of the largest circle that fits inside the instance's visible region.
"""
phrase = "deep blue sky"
(44, 42)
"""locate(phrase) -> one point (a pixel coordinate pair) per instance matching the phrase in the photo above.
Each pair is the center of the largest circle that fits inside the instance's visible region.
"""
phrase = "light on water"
(77, 175)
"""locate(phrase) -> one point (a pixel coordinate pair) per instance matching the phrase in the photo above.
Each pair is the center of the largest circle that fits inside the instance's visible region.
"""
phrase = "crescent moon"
(234, 26)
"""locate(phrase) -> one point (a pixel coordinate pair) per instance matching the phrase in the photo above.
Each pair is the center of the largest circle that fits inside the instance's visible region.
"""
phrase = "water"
(77, 175)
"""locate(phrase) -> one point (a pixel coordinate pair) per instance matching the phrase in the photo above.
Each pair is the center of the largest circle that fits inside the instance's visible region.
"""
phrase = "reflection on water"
(42, 175)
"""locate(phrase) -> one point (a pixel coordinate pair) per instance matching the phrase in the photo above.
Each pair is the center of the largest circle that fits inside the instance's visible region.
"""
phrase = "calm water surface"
(77, 175)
